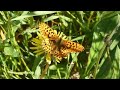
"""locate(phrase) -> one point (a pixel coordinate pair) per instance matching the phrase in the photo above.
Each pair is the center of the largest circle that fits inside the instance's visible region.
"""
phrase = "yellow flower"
(42, 46)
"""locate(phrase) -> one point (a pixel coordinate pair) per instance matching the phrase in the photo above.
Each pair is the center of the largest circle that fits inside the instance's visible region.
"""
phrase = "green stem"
(89, 19)
(44, 71)
(25, 64)
(70, 68)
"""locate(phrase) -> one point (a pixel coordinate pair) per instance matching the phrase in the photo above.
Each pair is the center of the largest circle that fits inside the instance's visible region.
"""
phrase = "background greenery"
(97, 31)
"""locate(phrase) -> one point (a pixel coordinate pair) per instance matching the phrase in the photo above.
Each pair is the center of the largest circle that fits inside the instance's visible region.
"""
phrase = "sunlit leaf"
(11, 51)
(36, 13)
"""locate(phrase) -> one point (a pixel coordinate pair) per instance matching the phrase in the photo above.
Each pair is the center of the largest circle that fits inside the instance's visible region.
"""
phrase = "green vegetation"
(97, 31)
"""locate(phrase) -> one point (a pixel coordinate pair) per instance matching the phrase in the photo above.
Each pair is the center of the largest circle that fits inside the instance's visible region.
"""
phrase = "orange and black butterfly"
(55, 44)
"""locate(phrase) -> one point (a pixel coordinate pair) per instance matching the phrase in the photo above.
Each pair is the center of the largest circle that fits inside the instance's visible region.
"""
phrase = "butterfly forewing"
(76, 47)
(48, 32)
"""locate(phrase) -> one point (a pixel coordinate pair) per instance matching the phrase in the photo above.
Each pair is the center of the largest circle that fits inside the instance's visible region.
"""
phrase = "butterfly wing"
(48, 32)
(73, 46)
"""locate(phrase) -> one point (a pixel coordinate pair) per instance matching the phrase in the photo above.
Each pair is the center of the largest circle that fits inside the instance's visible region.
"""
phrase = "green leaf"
(37, 72)
(36, 63)
(36, 13)
(116, 40)
(52, 67)
(65, 18)
(79, 38)
(110, 67)
(109, 14)
(64, 22)
(51, 18)
(11, 51)
(44, 12)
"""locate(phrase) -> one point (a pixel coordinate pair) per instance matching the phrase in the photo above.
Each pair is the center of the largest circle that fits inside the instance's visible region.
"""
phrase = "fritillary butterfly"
(56, 45)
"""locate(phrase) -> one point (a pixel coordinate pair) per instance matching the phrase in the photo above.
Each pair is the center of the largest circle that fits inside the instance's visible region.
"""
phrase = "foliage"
(97, 31)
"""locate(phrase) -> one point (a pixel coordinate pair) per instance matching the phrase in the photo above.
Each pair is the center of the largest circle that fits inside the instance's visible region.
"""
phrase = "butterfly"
(55, 44)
